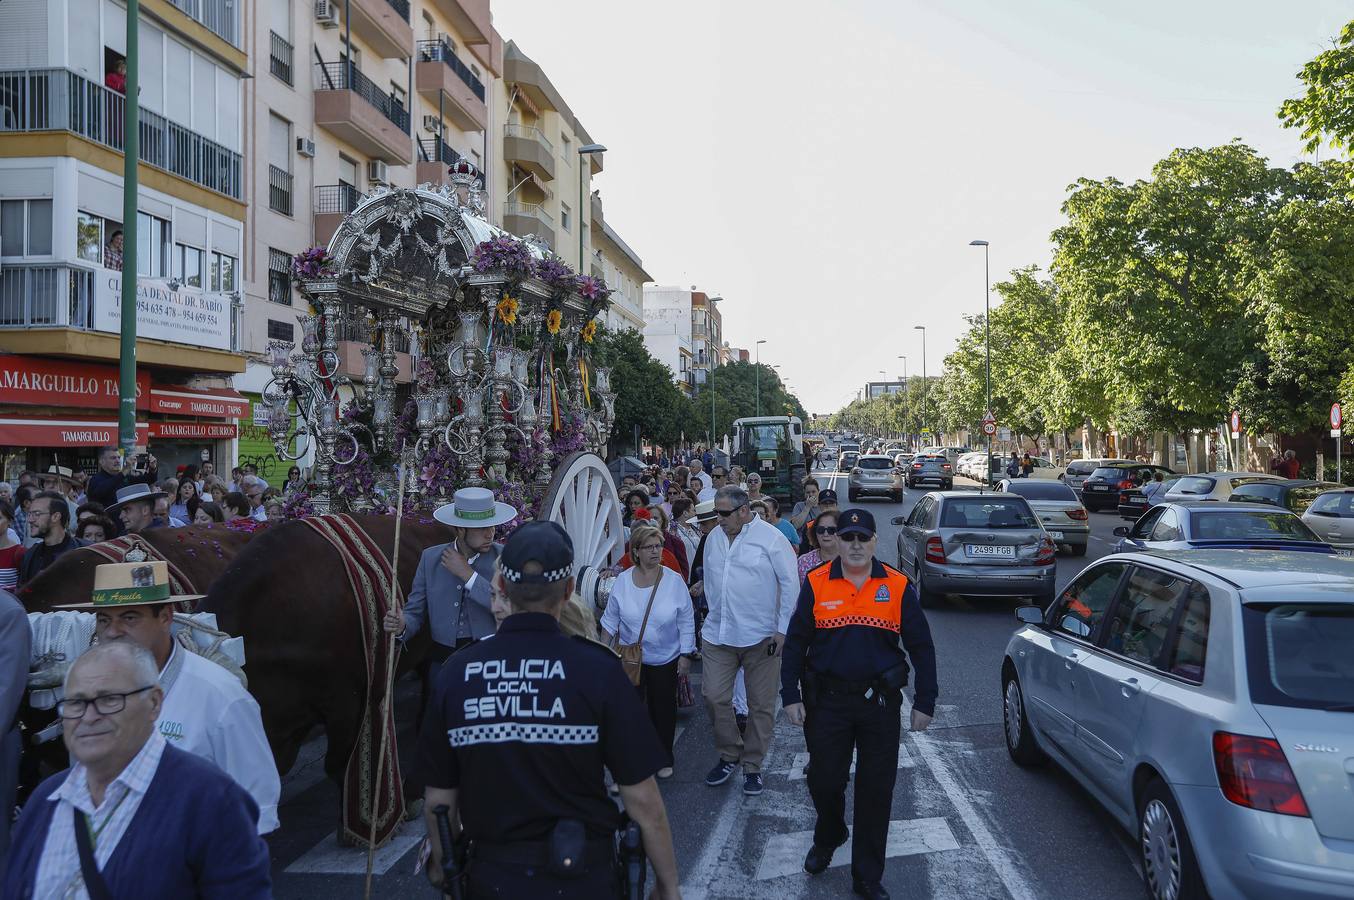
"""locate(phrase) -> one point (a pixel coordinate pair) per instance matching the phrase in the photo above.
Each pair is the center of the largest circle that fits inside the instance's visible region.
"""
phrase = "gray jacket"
(15, 638)
(437, 596)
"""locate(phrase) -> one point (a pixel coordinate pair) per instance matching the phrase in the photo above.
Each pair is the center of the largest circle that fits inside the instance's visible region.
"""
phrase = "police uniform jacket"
(854, 636)
(521, 725)
(438, 597)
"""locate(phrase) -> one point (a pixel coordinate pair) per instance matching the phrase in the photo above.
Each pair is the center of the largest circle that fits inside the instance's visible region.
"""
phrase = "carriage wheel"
(582, 498)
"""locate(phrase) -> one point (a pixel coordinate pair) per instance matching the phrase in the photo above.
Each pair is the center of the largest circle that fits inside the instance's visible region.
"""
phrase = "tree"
(1326, 110)
(645, 392)
(735, 388)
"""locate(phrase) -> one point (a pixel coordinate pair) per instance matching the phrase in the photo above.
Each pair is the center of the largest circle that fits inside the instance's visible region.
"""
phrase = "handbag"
(685, 696)
(632, 655)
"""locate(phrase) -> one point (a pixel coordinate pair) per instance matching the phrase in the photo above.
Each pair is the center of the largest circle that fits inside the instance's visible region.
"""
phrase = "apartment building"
(683, 329)
(348, 95)
(707, 335)
(621, 268)
(62, 228)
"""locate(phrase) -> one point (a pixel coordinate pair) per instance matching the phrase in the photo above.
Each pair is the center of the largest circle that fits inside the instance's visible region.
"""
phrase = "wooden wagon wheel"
(582, 498)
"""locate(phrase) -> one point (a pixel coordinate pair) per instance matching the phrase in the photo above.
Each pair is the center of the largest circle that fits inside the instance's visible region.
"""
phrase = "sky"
(823, 166)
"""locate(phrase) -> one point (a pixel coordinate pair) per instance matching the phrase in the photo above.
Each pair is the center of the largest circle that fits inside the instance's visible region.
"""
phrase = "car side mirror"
(898, 520)
(1030, 615)
(1073, 625)
(1121, 531)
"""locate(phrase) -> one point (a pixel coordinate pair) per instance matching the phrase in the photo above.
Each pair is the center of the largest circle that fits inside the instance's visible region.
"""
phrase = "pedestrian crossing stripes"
(796, 771)
(328, 858)
(784, 854)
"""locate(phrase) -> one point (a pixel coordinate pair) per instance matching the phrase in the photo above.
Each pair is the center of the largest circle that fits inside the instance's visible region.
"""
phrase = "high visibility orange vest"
(837, 603)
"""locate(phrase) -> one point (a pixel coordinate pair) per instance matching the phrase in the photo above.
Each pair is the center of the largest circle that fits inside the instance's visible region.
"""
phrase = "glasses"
(825, 529)
(725, 513)
(856, 539)
(647, 547)
(104, 704)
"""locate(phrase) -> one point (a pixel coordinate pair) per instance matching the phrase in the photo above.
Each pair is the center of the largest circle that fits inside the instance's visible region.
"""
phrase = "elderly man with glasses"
(133, 816)
(750, 586)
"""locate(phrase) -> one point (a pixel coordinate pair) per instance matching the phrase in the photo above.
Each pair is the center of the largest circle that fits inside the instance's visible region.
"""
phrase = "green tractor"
(773, 447)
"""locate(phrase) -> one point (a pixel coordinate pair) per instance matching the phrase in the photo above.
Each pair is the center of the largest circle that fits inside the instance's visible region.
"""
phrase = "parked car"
(1214, 485)
(970, 465)
(1102, 488)
(1202, 697)
(952, 454)
(1199, 523)
(987, 545)
(1058, 509)
(1078, 470)
(930, 470)
(875, 475)
(1331, 516)
(1133, 502)
(847, 460)
(1294, 495)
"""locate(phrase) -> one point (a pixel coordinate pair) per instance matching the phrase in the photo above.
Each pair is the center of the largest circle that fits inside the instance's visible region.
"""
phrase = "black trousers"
(835, 724)
(658, 690)
(502, 881)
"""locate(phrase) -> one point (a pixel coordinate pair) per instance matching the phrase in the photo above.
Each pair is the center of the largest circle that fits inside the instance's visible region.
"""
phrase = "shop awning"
(182, 401)
(192, 431)
(65, 432)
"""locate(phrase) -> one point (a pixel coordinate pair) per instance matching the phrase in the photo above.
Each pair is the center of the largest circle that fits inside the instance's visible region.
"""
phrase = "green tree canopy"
(1325, 111)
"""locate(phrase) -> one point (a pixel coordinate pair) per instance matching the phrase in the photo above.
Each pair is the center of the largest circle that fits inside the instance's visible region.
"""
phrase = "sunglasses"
(856, 539)
(725, 513)
(826, 529)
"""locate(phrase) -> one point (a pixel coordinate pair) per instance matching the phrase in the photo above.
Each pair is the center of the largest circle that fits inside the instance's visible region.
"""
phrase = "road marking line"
(796, 772)
(328, 858)
(306, 772)
(784, 854)
(998, 857)
(729, 813)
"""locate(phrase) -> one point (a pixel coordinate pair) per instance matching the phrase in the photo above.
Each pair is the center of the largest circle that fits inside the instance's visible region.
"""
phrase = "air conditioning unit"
(433, 124)
(305, 147)
(378, 172)
(326, 13)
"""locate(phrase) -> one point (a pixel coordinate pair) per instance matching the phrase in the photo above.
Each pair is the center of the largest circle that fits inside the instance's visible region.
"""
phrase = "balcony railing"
(279, 190)
(336, 198)
(532, 210)
(401, 7)
(334, 77)
(220, 16)
(531, 132)
(435, 150)
(56, 296)
(59, 100)
(429, 51)
(360, 331)
(279, 57)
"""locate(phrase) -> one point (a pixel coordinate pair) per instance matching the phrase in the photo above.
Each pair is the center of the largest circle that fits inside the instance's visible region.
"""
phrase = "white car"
(970, 465)
(1213, 485)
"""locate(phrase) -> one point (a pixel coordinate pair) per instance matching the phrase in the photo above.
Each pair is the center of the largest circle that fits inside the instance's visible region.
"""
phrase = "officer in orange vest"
(842, 677)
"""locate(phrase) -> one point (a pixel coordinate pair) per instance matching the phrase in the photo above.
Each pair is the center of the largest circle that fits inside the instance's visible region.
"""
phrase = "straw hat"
(474, 508)
(131, 584)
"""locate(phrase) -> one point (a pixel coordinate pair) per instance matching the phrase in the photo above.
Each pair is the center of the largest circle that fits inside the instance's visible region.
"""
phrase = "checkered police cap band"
(549, 577)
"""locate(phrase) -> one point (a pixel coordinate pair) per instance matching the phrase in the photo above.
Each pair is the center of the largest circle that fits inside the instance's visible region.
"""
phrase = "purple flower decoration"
(556, 273)
(313, 263)
(593, 289)
(504, 254)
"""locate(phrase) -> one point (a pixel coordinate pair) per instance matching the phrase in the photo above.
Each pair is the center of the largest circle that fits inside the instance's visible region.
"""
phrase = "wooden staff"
(392, 651)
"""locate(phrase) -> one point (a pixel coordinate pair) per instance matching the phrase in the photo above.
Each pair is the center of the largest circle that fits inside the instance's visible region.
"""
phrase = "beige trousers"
(761, 673)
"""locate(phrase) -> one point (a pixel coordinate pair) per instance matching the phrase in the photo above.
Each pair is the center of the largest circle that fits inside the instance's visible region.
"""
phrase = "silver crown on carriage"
(466, 180)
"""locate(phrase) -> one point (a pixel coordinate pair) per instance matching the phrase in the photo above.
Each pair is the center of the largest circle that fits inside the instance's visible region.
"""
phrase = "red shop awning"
(64, 432)
(182, 401)
(192, 431)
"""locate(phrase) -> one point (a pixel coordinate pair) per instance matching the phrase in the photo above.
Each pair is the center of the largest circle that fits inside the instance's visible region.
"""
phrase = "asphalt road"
(966, 821)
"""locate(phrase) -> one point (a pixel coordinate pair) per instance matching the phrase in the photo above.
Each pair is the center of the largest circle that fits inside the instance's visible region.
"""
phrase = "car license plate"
(990, 550)
(1056, 535)
(1339, 552)
(1097, 487)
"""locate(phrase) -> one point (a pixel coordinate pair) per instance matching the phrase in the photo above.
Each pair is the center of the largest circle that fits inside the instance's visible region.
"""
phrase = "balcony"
(384, 24)
(331, 203)
(434, 156)
(528, 146)
(470, 17)
(439, 73)
(523, 219)
(279, 57)
(597, 217)
(354, 337)
(58, 100)
(279, 190)
(221, 17)
(359, 112)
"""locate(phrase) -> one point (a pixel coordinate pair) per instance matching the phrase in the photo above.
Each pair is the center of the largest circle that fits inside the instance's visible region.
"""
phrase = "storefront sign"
(64, 433)
(36, 381)
(186, 315)
(211, 431)
(183, 402)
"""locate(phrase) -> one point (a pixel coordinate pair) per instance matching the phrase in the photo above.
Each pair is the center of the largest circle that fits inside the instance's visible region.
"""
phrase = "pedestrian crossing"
(784, 853)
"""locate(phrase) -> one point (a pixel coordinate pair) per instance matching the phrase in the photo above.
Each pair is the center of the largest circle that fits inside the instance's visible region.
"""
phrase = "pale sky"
(823, 166)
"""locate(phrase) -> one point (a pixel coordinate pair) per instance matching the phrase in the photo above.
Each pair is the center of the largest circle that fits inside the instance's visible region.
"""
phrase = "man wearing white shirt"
(700, 479)
(254, 487)
(716, 479)
(751, 586)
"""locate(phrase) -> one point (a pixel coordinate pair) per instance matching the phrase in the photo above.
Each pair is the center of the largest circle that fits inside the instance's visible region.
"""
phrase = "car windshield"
(1042, 490)
(1301, 498)
(1298, 653)
(875, 462)
(1110, 474)
(1333, 503)
(1194, 485)
(765, 437)
(1079, 468)
(1248, 526)
(992, 512)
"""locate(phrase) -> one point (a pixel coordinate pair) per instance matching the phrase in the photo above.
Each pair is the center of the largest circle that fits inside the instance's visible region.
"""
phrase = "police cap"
(545, 543)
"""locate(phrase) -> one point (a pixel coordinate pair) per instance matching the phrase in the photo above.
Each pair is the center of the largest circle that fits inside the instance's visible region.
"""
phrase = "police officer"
(517, 734)
(842, 678)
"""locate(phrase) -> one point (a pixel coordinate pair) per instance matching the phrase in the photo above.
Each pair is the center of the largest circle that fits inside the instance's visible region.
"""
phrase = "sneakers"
(720, 773)
(752, 783)
(665, 772)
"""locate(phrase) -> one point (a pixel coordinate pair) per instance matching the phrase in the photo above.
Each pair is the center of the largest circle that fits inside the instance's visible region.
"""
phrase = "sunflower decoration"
(589, 332)
(553, 321)
(507, 310)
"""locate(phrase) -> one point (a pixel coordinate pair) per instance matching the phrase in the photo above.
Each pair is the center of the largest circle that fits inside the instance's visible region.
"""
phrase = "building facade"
(875, 389)
(623, 271)
(668, 331)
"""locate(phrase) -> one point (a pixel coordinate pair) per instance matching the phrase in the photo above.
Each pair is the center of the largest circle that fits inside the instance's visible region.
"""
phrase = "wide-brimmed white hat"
(474, 508)
(133, 492)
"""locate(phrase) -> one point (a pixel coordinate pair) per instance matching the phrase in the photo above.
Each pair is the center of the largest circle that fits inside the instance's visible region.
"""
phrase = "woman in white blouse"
(669, 635)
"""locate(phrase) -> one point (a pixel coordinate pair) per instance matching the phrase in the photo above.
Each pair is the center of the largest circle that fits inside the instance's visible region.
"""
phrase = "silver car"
(1206, 699)
(1058, 509)
(984, 545)
(1213, 485)
(1331, 516)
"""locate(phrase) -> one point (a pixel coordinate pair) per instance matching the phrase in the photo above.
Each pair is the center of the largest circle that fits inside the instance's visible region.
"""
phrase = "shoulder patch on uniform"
(882, 595)
(596, 644)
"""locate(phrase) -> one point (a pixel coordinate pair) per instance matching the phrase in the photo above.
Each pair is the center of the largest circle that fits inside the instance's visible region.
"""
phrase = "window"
(1149, 519)
(347, 171)
(89, 237)
(1250, 525)
(1186, 658)
(343, 54)
(223, 272)
(1142, 618)
(281, 331)
(566, 149)
(188, 265)
(564, 216)
(26, 228)
(429, 26)
(1167, 527)
(1080, 608)
(152, 248)
(398, 95)
(1297, 654)
(964, 512)
(1256, 493)
(1334, 505)
(279, 278)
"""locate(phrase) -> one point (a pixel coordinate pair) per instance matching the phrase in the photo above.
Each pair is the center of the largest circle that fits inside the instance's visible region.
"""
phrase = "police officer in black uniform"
(515, 739)
(842, 678)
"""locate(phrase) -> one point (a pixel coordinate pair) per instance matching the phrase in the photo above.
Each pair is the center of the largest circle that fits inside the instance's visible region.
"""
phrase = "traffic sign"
(1236, 424)
(989, 419)
(1335, 416)
(989, 428)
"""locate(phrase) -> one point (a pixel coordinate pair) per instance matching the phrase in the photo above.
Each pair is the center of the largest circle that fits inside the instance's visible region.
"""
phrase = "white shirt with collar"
(703, 478)
(260, 514)
(706, 494)
(208, 713)
(751, 585)
(58, 872)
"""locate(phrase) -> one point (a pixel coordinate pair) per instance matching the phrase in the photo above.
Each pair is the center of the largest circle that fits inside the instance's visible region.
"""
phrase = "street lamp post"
(585, 150)
(710, 363)
(987, 339)
(922, 329)
(759, 376)
(907, 409)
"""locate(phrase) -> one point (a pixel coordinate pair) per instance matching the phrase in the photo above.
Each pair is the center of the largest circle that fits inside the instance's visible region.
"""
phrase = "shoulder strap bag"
(95, 886)
(632, 655)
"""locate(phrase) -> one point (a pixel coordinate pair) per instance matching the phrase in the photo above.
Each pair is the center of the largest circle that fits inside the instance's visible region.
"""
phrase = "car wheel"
(927, 597)
(1077, 549)
(1020, 741)
(948, 486)
(896, 497)
(1169, 869)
